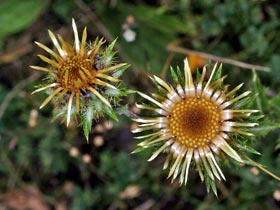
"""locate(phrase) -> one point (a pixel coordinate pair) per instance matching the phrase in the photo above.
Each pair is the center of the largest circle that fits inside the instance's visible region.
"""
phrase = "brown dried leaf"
(28, 198)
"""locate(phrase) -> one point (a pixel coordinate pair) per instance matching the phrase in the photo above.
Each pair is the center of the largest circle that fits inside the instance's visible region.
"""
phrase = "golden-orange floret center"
(76, 73)
(195, 122)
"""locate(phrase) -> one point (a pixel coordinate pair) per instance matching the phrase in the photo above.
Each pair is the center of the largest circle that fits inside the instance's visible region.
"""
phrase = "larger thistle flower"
(84, 74)
(194, 122)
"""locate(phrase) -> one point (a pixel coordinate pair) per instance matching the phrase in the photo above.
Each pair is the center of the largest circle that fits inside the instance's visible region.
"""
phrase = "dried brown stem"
(166, 65)
(15, 53)
(174, 48)
(148, 204)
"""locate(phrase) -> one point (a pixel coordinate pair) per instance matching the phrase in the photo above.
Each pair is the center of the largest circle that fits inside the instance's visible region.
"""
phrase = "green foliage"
(154, 31)
(17, 15)
(63, 8)
(57, 161)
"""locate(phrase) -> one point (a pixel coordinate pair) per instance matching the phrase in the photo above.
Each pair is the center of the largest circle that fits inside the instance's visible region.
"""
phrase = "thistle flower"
(194, 122)
(85, 74)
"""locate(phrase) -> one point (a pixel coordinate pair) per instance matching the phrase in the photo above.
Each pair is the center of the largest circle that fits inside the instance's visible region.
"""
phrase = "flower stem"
(261, 167)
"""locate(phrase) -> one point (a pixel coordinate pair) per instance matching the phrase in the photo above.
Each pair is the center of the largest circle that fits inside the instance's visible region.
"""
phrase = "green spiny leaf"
(210, 184)
(138, 149)
(86, 121)
(110, 47)
(123, 110)
(249, 149)
(180, 76)
(174, 76)
(120, 71)
(218, 73)
(110, 112)
(261, 99)
(244, 102)
(265, 128)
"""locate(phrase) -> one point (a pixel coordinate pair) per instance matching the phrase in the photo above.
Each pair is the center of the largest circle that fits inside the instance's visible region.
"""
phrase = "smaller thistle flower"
(194, 122)
(85, 74)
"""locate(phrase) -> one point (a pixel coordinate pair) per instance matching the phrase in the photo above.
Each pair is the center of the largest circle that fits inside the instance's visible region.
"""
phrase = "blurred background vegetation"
(44, 165)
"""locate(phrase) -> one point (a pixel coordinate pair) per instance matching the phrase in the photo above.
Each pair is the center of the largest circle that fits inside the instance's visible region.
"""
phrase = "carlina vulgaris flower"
(194, 122)
(85, 74)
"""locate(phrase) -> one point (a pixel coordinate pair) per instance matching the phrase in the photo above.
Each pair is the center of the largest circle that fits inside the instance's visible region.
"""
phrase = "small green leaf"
(198, 75)
(174, 76)
(261, 99)
(59, 113)
(124, 110)
(137, 150)
(110, 48)
(125, 92)
(86, 121)
(244, 102)
(263, 130)
(249, 149)
(108, 55)
(110, 112)
(218, 73)
(120, 71)
(210, 184)
(180, 76)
